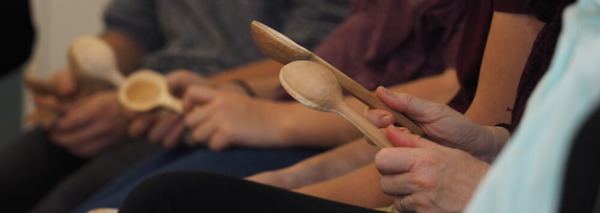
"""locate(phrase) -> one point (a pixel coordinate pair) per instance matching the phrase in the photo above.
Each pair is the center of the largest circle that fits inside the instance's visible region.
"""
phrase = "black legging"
(29, 168)
(582, 177)
(192, 191)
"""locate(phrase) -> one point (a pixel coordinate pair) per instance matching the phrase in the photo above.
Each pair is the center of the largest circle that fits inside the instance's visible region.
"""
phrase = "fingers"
(398, 184)
(141, 124)
(93, 146)
(201, 131)
(196, 95)
(65, 82)
(379, 117)
(180, 80)
(415, 108)
(162, 127)
(77, 117)
(401, 137)
(81, 134)
(174, 136)
(405, 204)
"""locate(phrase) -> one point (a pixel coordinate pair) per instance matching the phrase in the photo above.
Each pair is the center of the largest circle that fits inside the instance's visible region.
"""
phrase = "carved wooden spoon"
(316, 87)
(282, 49)
(144, 90)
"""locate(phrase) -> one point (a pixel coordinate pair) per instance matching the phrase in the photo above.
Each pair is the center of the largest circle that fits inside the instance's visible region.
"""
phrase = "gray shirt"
(208, 36)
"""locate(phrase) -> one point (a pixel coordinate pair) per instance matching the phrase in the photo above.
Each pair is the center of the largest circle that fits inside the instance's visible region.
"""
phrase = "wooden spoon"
(93, 65)
(144, 90)
(316, 87)
(90, 56)
(282, 49)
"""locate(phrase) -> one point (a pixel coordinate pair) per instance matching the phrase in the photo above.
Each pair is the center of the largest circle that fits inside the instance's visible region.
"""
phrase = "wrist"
(240, 86)
(493, 141)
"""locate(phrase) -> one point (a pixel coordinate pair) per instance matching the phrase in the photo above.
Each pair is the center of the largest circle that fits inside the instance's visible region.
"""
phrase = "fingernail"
(387, 120)
(386, 90)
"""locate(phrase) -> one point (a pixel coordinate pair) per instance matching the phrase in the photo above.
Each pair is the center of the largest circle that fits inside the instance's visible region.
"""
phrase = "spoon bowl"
(314, 86)
(282, 49)
(145, 90)
(91, 57)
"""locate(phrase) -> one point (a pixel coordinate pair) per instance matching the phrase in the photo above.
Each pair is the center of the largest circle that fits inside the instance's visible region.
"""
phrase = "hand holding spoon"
(144, 90)
(316, 87)
(282, 49)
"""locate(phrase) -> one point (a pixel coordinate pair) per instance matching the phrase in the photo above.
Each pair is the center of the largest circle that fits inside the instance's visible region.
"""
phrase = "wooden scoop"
(282, 49)
(93, 65)
(316, 87)
(144, 90)
(91, 57)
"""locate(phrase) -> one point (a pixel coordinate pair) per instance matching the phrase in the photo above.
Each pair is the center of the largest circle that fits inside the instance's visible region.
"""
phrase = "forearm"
(360, 187)
(300, 126)
(261, 78)
(503, 62)
(336, 162)
(127, 53)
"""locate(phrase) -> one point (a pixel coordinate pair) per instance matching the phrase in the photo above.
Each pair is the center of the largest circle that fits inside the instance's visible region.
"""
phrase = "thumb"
(401, 137)
(411, 106)
(65, 82)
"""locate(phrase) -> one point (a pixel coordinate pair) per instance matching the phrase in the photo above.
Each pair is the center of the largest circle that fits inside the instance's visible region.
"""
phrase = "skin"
(424, 176)
(93, 124)
(499, 76)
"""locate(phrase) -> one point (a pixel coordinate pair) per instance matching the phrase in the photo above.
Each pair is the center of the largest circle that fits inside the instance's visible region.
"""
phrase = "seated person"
(221, 120)
(90, 143)
(526, 177)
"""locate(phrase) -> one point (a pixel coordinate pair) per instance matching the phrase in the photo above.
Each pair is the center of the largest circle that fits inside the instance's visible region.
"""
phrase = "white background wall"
(57, 23)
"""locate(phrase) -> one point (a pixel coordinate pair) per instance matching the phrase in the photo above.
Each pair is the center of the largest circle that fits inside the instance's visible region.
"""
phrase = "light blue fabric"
(528, 174)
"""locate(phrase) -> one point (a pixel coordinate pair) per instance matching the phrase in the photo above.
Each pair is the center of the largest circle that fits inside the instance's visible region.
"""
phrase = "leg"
(30, 167)
(89, 179)
(239, 162)
(206, 192)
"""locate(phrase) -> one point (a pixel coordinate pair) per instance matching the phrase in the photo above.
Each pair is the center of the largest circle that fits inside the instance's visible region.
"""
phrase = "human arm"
(508, 45)
(321, 167)
(84, 128)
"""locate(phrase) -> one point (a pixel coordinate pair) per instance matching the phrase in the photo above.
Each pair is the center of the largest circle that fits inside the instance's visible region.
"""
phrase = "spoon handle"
(367, 128)
(174, 104)
(364, 95)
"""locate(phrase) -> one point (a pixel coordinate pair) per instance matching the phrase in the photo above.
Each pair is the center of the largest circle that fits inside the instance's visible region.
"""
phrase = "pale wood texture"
(280, 48)
(145, 90)
(93, 65)
(316, 87)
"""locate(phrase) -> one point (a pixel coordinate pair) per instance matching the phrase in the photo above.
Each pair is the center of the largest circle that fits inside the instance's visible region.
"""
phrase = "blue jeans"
(239, 162)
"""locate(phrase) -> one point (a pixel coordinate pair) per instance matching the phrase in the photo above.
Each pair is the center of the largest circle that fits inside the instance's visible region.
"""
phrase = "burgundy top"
(539, 60)
(387, 42)
(478, 20)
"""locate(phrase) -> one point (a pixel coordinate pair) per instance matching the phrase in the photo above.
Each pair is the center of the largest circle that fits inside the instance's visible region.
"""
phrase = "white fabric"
(528, 174)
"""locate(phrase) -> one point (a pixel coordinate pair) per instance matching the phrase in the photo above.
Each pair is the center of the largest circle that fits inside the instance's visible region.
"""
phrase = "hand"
(47, 95)
(442, 124)
(222, 119)
(92, 125)
(425, 176)
(163, 127)
(166, 127)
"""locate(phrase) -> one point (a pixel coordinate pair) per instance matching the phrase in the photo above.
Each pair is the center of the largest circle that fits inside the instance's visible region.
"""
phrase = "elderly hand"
(425, 176)
(442, 124)
(91, 125)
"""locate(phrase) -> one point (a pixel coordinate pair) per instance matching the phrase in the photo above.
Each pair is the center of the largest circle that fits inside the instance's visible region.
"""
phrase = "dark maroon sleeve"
(513, 6)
